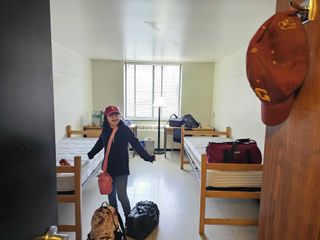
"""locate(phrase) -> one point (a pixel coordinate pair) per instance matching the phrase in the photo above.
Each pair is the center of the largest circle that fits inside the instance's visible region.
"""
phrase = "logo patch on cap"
(262, 94)
(288, 24)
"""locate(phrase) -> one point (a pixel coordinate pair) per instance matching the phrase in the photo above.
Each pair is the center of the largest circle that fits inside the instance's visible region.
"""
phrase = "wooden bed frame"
(76, 197)
(205, 193)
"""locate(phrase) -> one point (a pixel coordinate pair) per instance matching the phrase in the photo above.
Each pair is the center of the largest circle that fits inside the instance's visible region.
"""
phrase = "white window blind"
(145, 82)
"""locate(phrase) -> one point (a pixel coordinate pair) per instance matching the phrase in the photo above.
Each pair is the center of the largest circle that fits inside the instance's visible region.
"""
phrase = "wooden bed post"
(229, 132)
(78, 196)
(203, 193)
(182, 148)
(68, 131)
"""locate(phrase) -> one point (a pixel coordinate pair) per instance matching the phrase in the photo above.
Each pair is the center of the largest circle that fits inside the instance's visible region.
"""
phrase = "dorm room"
(210, 104)
(63, 60)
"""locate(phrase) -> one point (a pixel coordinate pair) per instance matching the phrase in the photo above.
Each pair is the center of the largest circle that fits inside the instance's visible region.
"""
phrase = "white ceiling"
(157, 30)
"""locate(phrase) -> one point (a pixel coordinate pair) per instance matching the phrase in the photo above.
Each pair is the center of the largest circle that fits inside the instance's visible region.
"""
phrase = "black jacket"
(118, 160)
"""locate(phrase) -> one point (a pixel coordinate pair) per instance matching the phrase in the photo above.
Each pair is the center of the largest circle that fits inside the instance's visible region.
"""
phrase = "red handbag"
(104, 178)
(105, 183)
(239, 151)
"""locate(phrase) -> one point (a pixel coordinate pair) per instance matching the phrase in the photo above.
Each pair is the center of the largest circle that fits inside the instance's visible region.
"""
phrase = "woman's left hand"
(153, 158)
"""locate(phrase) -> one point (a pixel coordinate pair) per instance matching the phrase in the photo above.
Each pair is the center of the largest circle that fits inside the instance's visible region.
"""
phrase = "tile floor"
(176, 193)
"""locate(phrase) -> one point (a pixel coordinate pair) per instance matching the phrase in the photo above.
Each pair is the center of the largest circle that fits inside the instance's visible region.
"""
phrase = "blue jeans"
(119, 187)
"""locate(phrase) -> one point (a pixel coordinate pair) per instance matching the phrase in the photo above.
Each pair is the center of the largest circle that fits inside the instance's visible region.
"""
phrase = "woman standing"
(118, 159)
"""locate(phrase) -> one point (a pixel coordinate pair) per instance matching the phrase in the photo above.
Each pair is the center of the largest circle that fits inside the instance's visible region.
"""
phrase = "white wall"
(234, 102)
(108, 87)
(72, 82)
(196, 91)
(107, 82)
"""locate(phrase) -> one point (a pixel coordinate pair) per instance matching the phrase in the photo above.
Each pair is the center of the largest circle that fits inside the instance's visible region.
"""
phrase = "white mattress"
(196, 146)
(68, 148)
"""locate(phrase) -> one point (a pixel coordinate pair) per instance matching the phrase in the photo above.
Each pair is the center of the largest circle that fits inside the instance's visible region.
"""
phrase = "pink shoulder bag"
(104, 179)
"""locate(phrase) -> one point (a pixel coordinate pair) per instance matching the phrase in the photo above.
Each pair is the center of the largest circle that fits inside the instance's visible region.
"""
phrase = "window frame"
(155, 117)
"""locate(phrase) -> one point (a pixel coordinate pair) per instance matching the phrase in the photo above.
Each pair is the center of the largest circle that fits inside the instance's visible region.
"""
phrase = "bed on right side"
(218, 180)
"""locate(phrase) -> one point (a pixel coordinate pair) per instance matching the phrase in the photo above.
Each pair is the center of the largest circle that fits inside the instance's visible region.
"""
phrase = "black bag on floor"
(143, 218)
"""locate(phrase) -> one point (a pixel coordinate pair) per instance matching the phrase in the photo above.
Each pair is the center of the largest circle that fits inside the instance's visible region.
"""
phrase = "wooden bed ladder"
(73, 198)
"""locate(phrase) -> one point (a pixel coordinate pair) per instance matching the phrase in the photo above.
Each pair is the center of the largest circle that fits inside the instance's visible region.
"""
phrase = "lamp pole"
(159, 102)
(158, 128)
(158, 151)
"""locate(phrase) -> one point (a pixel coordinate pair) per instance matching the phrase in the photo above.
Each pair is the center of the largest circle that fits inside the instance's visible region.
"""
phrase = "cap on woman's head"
(110, 110)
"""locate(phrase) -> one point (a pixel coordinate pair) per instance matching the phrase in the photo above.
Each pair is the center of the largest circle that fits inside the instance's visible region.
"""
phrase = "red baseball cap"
(277, 63)
(110, 110)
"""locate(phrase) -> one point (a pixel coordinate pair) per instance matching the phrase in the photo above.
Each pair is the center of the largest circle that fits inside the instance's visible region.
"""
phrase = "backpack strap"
(122, 229)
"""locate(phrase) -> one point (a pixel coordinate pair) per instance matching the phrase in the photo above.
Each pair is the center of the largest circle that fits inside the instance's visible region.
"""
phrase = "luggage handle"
(104, 204)
(228, 155)
(245, 140)
(173, 115)
(152, 211)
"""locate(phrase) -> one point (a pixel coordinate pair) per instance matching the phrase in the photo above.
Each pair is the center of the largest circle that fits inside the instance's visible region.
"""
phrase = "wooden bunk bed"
(209, 189)
(75, 196)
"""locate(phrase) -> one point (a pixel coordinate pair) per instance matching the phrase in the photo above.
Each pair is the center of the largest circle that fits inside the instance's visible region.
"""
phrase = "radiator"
(150, 131)
(149, 128)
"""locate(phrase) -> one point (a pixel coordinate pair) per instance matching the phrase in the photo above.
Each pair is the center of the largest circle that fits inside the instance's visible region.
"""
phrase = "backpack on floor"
(143, 218)
(106, 223)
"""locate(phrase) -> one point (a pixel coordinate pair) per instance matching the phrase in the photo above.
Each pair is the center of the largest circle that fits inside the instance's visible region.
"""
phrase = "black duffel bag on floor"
(143, 218)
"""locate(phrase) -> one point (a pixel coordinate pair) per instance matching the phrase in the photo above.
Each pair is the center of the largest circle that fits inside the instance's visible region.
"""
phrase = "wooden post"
(68, 130)
(78, 196)
(203, 193)
(182, 148)
(290, 205)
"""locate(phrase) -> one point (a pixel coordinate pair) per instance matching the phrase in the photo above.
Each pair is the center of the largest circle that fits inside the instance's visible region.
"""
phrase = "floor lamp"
(159, 102)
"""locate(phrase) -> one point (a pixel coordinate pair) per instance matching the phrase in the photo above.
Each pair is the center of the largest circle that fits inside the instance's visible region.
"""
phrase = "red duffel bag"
(239, 151)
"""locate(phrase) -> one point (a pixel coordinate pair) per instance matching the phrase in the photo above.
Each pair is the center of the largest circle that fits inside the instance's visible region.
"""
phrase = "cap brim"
(113, 113)
(275, 114)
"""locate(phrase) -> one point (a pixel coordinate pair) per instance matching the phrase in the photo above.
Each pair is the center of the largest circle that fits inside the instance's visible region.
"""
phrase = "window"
(145, 82)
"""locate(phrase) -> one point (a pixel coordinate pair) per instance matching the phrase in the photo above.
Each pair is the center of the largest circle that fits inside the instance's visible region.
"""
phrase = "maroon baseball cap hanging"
(277, 63)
